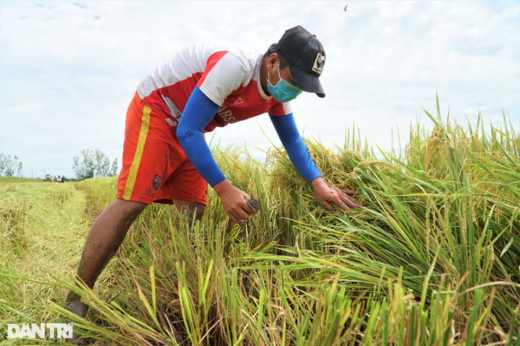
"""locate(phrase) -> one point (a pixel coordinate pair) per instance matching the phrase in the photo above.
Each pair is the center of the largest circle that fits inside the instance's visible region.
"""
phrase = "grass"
(431, 258)
(42, 231)
(17, 180)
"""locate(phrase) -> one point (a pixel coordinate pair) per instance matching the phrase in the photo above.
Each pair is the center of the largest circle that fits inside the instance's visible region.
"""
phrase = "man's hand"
(326, 193)
(233, 201)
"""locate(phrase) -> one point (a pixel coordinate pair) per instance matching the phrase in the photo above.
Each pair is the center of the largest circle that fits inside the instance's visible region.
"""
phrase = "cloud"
(69, 70)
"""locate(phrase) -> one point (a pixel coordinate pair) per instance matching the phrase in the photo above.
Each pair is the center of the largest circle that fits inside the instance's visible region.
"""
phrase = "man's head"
(300, 56)
(278, 69)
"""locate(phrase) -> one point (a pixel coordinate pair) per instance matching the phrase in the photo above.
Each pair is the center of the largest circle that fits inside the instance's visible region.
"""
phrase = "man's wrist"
(317, 181)
(222, 186)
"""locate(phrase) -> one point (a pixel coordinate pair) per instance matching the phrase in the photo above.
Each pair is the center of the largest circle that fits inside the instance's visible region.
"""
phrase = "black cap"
(306, 57)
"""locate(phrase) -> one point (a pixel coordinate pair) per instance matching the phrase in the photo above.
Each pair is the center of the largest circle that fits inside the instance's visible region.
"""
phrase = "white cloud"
(68, 72)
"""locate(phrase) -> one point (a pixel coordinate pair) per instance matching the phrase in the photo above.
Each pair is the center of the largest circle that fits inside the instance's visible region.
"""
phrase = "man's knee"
(199, 212)
(194, 208)
(129, 210)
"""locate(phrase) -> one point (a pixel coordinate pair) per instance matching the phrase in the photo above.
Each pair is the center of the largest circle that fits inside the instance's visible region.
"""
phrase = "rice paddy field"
(431, 258)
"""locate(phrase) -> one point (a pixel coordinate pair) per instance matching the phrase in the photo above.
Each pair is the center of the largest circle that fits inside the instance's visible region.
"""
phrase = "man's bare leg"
(191, 206)
(108, 232)
(105, 236)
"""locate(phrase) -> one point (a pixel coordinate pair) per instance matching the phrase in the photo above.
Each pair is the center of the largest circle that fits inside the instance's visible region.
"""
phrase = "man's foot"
(80, 309)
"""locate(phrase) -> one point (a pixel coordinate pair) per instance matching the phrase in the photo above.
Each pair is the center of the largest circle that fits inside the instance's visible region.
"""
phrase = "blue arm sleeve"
(295, 146)
(197, 114)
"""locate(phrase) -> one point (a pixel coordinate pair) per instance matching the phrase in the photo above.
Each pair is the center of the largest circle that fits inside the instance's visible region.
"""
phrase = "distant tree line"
(10, 167)
(93, 164)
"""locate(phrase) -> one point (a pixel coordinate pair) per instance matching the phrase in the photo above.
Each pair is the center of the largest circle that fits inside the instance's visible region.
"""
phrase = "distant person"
(165, 156)
(63, 179)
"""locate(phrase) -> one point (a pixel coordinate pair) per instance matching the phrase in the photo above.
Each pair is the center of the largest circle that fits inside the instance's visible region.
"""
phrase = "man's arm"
(301, 159)
(198, 112)
(295, 146)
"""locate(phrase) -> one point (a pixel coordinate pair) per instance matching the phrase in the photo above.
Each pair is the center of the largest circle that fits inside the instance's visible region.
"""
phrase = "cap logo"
(319, 63)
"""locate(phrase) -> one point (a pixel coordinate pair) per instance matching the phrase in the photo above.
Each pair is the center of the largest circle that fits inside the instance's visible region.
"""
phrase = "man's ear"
(273, 59)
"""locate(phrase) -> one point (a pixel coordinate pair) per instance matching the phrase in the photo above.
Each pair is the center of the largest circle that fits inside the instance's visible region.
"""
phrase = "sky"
(68, 70)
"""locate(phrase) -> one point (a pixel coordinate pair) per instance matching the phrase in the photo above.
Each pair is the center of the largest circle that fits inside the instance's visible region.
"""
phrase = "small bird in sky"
(345, 9)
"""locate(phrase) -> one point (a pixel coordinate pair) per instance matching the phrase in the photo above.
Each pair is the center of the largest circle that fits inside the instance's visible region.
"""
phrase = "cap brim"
(305, 81)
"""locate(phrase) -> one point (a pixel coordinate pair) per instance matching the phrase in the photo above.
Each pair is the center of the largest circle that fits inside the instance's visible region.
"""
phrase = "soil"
(253, 204)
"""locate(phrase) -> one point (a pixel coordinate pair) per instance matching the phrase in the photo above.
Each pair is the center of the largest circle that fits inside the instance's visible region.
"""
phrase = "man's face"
(272, 67)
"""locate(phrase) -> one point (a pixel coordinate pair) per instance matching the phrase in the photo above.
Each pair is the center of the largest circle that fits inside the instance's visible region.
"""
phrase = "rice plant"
(431, 258)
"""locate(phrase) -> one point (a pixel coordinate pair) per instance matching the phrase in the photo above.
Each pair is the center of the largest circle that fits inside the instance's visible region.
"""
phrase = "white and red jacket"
(228, 74)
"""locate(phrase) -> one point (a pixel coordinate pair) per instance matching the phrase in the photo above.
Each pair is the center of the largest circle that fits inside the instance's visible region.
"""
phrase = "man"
(165, 156)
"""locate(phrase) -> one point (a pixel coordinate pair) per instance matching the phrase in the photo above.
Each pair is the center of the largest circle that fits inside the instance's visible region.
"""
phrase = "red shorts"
(155, 167)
